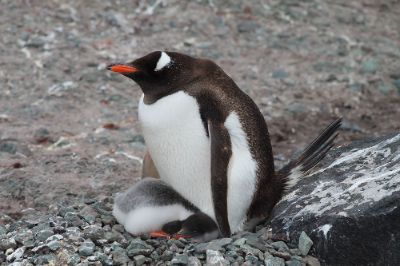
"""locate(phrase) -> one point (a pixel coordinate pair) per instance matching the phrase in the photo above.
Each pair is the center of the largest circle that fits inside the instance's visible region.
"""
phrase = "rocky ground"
(68, 128)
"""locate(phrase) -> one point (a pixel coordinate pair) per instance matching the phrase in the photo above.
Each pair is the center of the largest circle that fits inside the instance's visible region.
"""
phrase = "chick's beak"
(123, 69)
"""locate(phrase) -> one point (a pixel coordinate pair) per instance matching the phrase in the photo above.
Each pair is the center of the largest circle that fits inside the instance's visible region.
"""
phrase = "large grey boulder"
(350, 207)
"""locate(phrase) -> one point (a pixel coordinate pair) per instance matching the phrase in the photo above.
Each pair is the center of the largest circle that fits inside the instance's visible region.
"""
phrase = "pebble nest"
(87, 234)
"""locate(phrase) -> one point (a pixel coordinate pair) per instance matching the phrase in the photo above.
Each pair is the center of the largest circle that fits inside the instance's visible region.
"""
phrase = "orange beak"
(123, 69)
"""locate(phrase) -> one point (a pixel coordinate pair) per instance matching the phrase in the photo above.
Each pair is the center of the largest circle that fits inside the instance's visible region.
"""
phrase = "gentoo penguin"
(208, 139)
(151, 205)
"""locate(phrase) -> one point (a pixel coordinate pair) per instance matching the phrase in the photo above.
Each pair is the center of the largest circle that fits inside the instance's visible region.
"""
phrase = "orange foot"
(160, 234)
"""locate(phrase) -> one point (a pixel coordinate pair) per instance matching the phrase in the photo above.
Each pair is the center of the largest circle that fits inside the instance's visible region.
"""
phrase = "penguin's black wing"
(221, 152)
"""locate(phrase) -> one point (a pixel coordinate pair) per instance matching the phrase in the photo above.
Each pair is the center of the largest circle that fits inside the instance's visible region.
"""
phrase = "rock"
(370, 66)
(138, 247)
(353, 198)
(180, 259)
(273, 261)
(294, 263)
(87, 248)
(6, 243)
(193, 261)
(41, 135)
(16, 255)
(396, 83)
(8, 147)
(215, 258)
(140, 260)
(54, 245)
(73, 219)
(74, 259)
(104, 259)
(280, 246)
(312, 261)
(119, 256)
(42, 235)
(280, 74)
(305, 243)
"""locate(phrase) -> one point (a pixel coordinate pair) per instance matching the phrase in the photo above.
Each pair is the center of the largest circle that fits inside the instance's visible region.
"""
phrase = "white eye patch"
(163, 61)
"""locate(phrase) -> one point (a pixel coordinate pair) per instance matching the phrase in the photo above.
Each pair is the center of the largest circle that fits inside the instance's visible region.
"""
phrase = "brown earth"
(68, 128)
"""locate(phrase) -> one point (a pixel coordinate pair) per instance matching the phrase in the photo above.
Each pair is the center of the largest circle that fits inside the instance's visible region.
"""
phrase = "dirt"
(68, 127)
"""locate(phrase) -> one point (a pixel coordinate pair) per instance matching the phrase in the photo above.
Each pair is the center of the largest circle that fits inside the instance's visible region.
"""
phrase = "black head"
(200, 227)
(160, 73)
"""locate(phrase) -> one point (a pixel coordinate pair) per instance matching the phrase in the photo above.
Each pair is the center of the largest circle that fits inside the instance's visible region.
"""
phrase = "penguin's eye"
(163, 61)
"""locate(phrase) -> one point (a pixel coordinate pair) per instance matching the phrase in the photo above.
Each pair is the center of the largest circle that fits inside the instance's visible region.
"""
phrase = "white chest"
(176, 138)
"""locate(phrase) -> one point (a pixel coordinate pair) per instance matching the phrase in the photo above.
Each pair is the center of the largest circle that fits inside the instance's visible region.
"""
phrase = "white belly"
(149, 218)
(177, 141)
(178, 144)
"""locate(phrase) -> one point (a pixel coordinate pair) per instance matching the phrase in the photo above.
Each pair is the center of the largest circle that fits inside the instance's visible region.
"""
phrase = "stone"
(16, 255)
(8, 147)
(352, 198)
(294, 263)
(87, 248)
(119, 256)
(305, 243)
(280, 246)
(74, 259)
(193, 261)
(215, 258)
(6, 243)
(93, 232)
(138, 247)
(54, 245)
(273, 261)
(140, 260)
(280, 74)
(370, 66)
(180, 259)
(73, 219)
(312, 261)
(104, 259)
(396, 83)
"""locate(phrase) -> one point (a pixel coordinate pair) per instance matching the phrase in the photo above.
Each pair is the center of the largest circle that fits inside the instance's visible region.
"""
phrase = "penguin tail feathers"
(302, 165)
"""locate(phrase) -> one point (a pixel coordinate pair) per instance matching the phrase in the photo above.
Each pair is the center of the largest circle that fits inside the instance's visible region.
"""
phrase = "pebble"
(180, 259)
(8, 147)
(215, 258)
(119, 256)
(370, 66)
(16, 255)
(7, 243)
(305, 243)
(87, 248)
(54, 245)
(273, 261)
(140, 260)
(280, 246)
(138, 247)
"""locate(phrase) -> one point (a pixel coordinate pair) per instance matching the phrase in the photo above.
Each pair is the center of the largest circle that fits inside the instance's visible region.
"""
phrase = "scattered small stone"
(7, 243)
(138, 247)
(274, 261)
(311, 261)
(16, 255)
(74, 259)
(54, 245)
(283, 255)
(119, 256)
(370, 66)
(305, 243)
(180, 259)
(280, 246)
(41, 135)
(87, 248)
(294, 263)
(140, 260)
(8, 147)
(215, 258)
(194, 261)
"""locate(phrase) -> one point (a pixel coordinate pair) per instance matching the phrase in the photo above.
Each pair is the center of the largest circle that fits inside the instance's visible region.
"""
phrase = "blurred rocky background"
(68, 128)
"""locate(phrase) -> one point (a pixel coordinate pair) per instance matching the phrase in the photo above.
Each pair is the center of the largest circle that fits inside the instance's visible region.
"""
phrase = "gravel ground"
(68, 128)
(87, 234)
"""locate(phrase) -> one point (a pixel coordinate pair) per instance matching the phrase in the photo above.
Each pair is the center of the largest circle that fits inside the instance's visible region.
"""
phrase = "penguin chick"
(151, 205)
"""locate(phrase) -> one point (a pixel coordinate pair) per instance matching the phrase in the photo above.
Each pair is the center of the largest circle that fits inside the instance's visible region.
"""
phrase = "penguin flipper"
(221, 152)
(310, 157)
